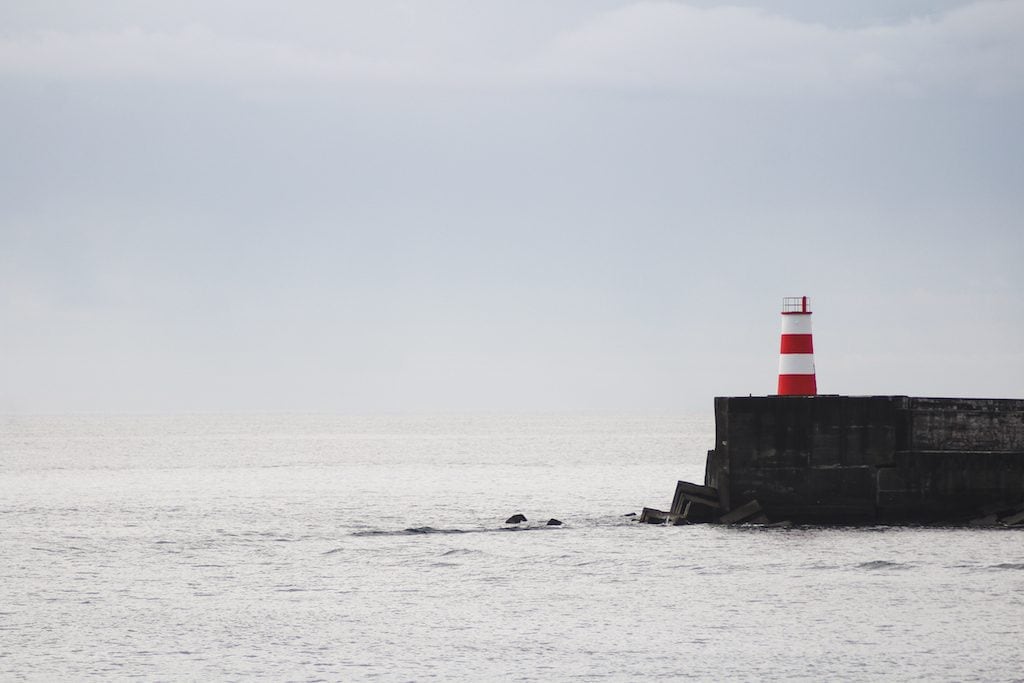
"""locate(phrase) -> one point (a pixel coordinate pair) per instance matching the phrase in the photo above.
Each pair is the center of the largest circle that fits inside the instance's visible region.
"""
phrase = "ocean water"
(316, 547)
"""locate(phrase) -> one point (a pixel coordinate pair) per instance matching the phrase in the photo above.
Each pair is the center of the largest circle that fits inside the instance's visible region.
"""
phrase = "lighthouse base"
(868, 459)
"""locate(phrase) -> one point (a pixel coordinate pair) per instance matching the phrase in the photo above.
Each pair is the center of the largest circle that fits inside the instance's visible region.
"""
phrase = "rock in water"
(554, 522)
(515, 519)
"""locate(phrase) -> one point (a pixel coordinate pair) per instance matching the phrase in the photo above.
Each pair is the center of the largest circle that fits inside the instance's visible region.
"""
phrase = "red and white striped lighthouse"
(796, 355)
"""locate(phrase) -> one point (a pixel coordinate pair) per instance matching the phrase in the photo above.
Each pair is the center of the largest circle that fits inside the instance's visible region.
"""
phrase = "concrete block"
(826, 446)
(716, 474)
(686, 492)
(967, 424)
(988, 520)
(897, 500)
(841, 485)
(696, 513)
(742, 513)
(896, 479)
(1014, 519)
(652, 516)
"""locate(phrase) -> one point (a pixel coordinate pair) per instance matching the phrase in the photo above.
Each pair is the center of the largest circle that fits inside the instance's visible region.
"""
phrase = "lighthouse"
(796, 352)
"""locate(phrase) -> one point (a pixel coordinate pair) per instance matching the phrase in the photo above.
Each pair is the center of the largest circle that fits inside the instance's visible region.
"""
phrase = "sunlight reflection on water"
(307, 547)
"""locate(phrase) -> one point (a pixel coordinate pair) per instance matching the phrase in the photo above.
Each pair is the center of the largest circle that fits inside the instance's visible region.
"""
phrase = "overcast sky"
(505, 206)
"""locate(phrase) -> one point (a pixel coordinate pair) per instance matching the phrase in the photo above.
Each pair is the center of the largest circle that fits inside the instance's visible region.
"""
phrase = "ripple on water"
(883, 564)
(1008, 565)
(419, 601)
(428, 530)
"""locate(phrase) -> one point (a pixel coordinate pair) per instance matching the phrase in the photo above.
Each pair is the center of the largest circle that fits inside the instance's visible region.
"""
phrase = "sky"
(505, 206)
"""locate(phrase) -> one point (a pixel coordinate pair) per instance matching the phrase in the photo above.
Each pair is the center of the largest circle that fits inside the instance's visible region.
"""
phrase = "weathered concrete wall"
(867, 458)
(948, 424)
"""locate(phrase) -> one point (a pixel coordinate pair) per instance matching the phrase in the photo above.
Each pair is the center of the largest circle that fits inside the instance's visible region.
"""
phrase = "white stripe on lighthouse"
(796, 323)
(796, 364)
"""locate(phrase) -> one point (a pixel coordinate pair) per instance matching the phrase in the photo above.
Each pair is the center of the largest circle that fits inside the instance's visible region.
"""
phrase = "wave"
(882, 564)
(429, 530)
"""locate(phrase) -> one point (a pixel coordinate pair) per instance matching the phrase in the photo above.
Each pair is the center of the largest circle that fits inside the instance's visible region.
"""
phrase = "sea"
(342, 548)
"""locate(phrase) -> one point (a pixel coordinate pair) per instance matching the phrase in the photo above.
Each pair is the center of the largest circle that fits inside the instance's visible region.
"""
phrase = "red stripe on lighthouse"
(797, 385)
(797, 343)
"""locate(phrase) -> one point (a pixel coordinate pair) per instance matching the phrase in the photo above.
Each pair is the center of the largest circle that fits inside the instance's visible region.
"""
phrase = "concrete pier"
(868, 459)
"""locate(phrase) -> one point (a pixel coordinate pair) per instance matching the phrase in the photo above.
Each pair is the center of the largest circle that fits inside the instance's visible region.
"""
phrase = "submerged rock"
(554, 522)
(515, 519)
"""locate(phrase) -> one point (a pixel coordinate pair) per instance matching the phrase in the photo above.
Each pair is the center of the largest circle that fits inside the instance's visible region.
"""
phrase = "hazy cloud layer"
(739, 50)
(507, 205)
(657, 45)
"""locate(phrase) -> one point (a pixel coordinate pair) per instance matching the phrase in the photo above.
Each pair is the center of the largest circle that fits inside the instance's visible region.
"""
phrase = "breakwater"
(861, 459)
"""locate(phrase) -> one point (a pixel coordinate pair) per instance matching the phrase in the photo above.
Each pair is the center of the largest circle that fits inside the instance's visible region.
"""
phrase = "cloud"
(192, 54)
(742, 50)
(644, 45)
